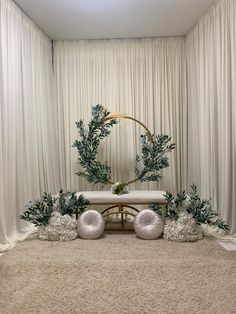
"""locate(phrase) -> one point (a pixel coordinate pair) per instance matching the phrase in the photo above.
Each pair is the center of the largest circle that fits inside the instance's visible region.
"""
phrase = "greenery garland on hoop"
(148, 165)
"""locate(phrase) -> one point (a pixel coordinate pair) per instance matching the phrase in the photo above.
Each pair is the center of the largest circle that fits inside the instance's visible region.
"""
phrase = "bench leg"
(122, 215)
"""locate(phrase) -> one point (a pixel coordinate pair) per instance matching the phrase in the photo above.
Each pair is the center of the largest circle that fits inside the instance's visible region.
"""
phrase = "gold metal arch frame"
(124, 210)
(118, 115)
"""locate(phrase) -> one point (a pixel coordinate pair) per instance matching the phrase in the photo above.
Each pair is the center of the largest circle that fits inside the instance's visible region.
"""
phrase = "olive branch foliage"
(87, 147)
(200, 209)
(148, 164)
(153, 157)
(39, 211)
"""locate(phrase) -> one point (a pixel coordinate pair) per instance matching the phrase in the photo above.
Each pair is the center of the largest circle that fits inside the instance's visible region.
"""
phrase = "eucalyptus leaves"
(149, 163)
(90, 138)
(56, 215)
(199, 209)
(40, 211)
(188, 217)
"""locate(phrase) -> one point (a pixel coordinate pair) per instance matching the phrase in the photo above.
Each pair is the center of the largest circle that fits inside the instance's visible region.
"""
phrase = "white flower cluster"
(211, 231)
(60, 228)
(184, 229)
(119, 188)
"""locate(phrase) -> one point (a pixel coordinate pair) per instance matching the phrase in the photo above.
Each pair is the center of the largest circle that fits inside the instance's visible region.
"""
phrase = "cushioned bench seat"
(124, 203)
(133, 197)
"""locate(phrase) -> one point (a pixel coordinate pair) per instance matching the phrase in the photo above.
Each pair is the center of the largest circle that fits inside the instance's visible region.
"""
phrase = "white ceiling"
(100, 19)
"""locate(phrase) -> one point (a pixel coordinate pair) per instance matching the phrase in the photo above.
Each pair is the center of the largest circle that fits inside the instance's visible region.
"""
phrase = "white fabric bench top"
(133, 197)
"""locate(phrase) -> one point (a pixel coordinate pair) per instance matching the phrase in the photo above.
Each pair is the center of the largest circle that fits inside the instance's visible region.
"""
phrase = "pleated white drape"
(143, 78)
(211, 137)
(28, 145)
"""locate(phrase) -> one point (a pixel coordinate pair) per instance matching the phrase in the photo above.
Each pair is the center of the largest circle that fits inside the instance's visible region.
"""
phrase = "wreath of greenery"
(148, 164)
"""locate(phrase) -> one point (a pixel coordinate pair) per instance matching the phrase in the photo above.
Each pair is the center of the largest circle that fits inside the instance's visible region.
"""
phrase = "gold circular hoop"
(118, 115)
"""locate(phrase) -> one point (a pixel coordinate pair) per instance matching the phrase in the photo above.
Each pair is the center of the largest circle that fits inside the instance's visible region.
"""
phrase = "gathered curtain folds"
(28, 144)
(183, 87)
(210, 140)
(144, 78)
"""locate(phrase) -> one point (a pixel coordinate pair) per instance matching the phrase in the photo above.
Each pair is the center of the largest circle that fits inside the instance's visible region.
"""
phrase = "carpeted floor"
(118, 273)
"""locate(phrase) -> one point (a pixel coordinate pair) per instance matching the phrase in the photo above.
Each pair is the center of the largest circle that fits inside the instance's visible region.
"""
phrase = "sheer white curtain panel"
(144, 78)
(28, 144)
(211, 132)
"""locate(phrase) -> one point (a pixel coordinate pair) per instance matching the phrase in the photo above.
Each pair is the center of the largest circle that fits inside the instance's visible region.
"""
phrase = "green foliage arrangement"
(200, 210)
(70, 204)
(39, 212)
(87, 147)
(148, 165)
(153, 157)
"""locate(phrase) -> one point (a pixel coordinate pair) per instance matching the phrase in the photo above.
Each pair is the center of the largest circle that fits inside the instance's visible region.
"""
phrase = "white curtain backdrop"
(140, 77)
(28, 145)
(145, 78)
(211, 133)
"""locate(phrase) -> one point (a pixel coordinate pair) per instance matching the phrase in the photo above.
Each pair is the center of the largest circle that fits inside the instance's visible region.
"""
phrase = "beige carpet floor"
(118, 273)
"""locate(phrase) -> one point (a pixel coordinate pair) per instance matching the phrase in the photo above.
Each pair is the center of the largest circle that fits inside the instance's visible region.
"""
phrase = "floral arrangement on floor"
(188, 217)
(56, 215)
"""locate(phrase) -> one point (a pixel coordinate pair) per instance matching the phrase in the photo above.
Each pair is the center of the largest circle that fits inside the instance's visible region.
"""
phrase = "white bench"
(123, 201)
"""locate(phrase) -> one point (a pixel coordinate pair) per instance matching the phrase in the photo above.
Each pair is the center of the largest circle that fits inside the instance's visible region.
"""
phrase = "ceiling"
(100, 19)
